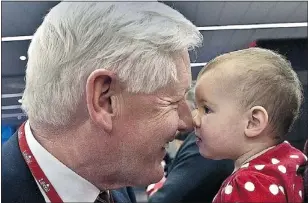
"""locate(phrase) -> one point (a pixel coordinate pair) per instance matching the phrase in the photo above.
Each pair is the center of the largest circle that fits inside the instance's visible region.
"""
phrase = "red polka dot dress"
(270, 177)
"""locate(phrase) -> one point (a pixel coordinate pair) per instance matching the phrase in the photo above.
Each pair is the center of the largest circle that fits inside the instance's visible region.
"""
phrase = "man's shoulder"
(11, 158)
(16, 176)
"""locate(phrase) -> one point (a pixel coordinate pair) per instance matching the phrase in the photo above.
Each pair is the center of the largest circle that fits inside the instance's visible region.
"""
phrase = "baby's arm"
(249, 186)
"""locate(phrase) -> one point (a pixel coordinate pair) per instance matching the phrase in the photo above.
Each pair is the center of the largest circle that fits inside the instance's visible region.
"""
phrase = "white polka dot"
(249, 186)
(282, 169)
(275, 161)
(228, 189)
(259, 167)
(294, 156)
(274, 189)
(300, 193)
(286, 142)
(305, 157)
(245, 165)
(297, 166)
(281, 189)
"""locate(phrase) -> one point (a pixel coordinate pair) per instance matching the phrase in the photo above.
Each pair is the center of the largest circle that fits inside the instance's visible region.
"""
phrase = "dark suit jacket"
(19, 186)
(192, 178)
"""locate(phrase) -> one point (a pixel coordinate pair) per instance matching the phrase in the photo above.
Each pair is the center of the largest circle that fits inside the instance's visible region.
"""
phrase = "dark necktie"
(104, 197)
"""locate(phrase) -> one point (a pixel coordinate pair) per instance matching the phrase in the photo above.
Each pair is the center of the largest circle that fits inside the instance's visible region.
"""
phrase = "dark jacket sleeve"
(124, 195)
(131, 194)
(18, 184)
(191, 177)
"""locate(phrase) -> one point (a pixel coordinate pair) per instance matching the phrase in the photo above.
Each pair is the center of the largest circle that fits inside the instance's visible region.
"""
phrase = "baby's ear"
(257, 121)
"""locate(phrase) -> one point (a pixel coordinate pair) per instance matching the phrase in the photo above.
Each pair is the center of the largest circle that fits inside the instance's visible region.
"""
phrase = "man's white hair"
(137, 41)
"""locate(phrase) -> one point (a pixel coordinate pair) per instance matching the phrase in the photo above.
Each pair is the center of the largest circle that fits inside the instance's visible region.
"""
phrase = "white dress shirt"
(70, 186)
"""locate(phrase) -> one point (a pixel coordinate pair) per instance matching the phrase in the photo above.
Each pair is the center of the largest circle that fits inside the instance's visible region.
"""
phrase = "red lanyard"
(35, 169)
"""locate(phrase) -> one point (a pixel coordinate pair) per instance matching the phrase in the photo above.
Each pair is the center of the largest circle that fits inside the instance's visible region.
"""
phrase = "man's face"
(147, 122)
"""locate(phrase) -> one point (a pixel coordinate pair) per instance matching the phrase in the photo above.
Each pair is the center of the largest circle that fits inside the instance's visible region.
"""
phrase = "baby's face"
(219, 124)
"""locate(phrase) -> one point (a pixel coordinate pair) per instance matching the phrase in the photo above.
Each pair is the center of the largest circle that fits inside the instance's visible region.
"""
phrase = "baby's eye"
(207, 110)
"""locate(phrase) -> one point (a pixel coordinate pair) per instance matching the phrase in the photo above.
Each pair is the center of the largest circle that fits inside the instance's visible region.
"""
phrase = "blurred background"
(225, 26)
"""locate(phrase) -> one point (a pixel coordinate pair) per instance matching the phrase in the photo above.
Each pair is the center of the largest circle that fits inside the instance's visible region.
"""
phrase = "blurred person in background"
(105, 86)
(190, 177)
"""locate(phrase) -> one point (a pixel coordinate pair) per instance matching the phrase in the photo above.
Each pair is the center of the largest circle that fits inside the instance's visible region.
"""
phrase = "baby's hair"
(260, 77)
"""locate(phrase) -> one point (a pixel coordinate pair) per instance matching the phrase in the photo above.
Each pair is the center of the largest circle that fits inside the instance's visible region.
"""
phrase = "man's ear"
(257, 121)
(99, 90)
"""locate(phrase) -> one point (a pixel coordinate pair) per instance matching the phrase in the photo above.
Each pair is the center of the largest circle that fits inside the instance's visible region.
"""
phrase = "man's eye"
(176, 103)
(207, 110)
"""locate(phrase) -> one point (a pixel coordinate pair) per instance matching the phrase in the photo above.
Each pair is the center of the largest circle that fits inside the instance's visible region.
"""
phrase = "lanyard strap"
(35, 169)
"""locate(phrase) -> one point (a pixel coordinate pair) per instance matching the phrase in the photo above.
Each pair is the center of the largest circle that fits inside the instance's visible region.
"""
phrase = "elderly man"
(105, 86)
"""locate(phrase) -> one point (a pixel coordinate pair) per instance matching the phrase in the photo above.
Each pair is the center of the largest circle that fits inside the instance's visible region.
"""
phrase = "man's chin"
(158, 177)
(154, 176)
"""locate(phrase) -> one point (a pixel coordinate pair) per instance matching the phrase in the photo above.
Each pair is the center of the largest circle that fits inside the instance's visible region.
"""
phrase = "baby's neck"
(252, 154)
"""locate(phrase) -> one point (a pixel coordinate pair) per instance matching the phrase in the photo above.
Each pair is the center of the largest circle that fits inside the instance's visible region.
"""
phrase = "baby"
(247, 101)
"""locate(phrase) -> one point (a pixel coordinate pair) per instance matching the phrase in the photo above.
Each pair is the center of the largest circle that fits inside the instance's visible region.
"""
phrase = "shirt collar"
(69, 185)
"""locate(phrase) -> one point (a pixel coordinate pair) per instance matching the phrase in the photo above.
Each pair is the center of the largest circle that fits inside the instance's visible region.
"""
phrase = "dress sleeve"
(250, 186)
